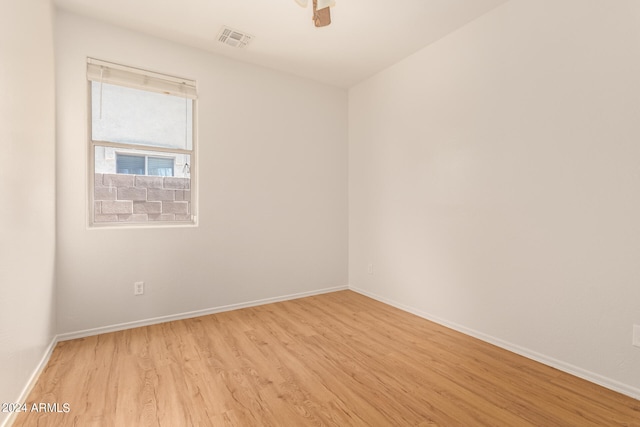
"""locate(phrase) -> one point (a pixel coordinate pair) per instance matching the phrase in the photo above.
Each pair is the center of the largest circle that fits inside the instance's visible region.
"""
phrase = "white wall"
(27, 192)
(495, 181)
(273, 189)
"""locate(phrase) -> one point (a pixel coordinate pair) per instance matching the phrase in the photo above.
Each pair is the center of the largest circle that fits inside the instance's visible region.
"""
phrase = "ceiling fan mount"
(321, 11)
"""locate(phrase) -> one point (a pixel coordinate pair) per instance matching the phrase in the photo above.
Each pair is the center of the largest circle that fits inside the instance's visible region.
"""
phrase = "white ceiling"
(365, 36)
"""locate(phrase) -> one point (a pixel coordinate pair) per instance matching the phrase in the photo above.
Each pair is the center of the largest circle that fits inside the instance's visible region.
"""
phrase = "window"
(141, 145)
(144, 165)
(159, 166)
(134, 165)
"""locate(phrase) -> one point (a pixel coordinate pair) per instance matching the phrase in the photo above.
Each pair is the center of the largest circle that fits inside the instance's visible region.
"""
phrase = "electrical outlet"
(370, 268)
(636, 335)
(138, 288)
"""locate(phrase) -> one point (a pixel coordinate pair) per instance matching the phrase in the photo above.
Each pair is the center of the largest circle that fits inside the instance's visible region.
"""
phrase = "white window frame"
(138, 78)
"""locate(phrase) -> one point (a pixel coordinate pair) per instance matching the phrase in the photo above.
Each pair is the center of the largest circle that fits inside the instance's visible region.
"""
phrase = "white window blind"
(108, 72)
(132, 116)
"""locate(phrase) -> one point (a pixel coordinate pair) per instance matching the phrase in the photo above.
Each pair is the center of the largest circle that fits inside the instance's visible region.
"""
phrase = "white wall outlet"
(370, 268)
(138, 288)
(636, 335)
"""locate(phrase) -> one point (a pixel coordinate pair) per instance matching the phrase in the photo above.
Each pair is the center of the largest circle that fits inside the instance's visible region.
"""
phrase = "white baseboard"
(180, 316)
(546, 360)
(32, 381)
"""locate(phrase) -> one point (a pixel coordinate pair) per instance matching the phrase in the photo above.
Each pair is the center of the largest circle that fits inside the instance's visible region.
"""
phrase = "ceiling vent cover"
(234, 38)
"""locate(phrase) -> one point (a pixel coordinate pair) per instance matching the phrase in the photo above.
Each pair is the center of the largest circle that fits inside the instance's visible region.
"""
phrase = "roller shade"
(107, 72)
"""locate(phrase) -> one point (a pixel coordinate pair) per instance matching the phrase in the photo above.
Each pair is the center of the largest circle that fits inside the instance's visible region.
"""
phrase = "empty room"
(320, 212)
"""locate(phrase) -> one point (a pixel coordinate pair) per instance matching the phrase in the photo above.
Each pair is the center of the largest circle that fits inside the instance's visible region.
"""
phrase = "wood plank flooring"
(338, 359)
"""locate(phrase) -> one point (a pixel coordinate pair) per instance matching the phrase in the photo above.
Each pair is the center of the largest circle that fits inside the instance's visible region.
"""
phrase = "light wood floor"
(337, 359)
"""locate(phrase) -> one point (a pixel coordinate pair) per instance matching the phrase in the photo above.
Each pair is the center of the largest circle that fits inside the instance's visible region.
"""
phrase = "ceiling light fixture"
(321, 11)
(325, 3)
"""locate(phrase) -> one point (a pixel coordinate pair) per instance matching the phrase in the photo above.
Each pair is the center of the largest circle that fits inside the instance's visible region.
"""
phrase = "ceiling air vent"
(234, 38)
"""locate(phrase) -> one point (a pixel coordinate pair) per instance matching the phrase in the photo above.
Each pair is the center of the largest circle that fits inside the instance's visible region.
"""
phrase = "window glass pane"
(108, 160)
(133, 116)
(136, 197)
(159, 166)
(133, 165)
